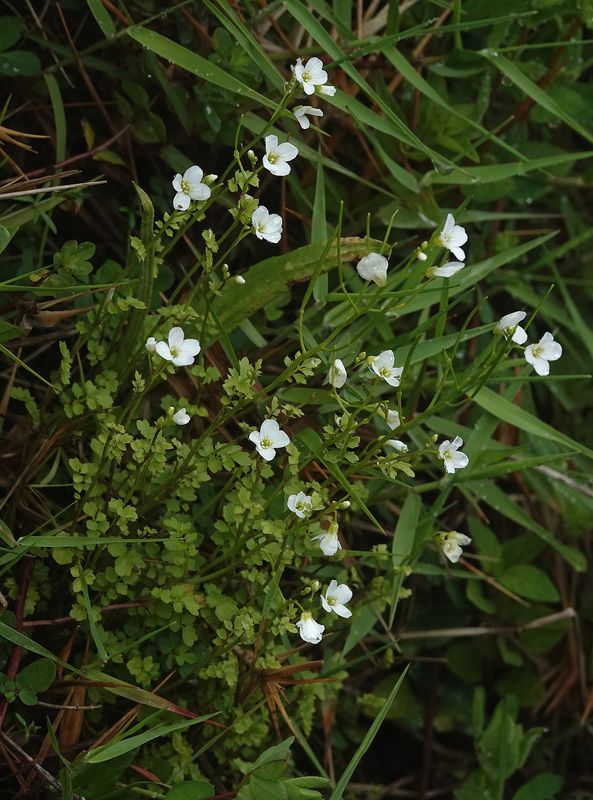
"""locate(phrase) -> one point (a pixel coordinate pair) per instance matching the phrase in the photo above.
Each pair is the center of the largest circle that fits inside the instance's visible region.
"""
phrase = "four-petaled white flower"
(451, 543)
(150, 344)
(382, 365)
(301, 112)
(453, 237)
(278, 155)
(310, 630)
(398, 445)
(189, 187)
(335, 599)
(267, 226)
(181, 417)
(328, 540)
(509, 326)
(452, 456)
(301, 504)
(337, 374)
(373, 268)
(538, 355)
(446, 271)
(310, 75)
(179, 350)
(269, 438)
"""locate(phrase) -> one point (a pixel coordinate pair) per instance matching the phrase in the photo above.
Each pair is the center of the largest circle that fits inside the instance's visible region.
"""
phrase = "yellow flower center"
(174, 351)
(537, 351)
(266, 443)
(306, 77)
(185, 187)
(272, 157)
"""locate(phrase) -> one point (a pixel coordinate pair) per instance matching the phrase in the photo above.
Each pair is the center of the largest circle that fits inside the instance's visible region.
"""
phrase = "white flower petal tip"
(328, 541)
(397, 445)
(269, 439)
(302, 114)
(181, 417)
(446, 271)
(150, 344)
(310, 75)
(278, 155)
(309, 630)
(188, 187)
(373, 268)
(383, 366)
(540, 354)
(451, 543)
(300, 504)
(451, 456)
(508, 326)
(453, 237)
(266, 226)
(335, 599)
(337, 374)
(178, 349)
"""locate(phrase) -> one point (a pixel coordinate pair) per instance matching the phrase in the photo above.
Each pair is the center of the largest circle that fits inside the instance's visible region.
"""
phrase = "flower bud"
(210, 179)
(422, 256)
(240, 280)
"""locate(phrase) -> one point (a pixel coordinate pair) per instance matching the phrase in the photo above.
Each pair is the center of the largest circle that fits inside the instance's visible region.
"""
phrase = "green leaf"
(126, 744)
(367, 740)
(531, 89)
(37, 676)
(512, 414)
(196, 64)
(531, 582)
(191, 790)
(19, 62)
(102, 17)
(402, 545)
(266, 281)
(11, 30)
(544, 786)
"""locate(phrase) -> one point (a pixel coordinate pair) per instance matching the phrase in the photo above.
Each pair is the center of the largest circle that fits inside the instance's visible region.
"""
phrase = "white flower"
(392, 419)
(509, 326)
(335, 599)
(373, 268)
(278, 155)
(337, 374)
(452, 456)
(327, 90)
(539, 354)
(382, 365)
(300, 114)
(446, 271)
(398, 445)
(179, 350)
(301, 504)
(268, 439)
(451, 543)
(189, 187)
(453, 237)
(310, 630)
(150, 344)
(328, 540)
(311, 75)
(181, 417)
(267, 226)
